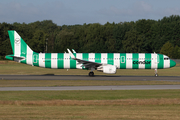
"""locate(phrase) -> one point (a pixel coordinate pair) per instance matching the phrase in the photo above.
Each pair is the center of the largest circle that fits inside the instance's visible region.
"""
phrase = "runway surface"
(127, 87)
(97, 77)
(85, 77)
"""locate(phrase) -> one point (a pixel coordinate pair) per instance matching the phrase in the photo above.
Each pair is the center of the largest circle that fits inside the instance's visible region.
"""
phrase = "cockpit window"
(166, 58)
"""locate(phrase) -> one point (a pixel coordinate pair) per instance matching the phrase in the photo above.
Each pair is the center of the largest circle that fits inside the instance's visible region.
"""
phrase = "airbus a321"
(104, 62)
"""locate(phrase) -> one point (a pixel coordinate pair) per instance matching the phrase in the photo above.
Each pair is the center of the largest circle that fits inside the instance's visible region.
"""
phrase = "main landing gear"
(156, 73)
(91, 74)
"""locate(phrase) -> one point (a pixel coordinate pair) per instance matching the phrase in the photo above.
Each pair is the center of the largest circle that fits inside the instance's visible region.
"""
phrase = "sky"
(71, 12)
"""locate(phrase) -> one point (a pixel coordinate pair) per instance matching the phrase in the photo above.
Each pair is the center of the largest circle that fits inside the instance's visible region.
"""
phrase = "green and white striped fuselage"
(120, 60)
(104, 62)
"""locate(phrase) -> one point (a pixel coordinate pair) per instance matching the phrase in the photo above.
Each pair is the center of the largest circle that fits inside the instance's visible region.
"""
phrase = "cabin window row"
(100, 58)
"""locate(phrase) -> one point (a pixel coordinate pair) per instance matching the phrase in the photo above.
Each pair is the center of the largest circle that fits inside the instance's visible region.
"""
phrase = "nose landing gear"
(156, 73)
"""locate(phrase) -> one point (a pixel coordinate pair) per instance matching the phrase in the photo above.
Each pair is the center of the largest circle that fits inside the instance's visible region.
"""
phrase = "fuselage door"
(157, 58)
(122, 59)
(35, 58)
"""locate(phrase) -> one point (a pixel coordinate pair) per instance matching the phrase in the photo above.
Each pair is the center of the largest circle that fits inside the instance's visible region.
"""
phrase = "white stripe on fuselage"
(66, 61)
(166, 62)
(141, 58)
(79, 56)
(129, 61)
(53, 60)
(29, 56)
(104, 58)
(91, 57)
(116, 60)
(42, 59)
(153, 61)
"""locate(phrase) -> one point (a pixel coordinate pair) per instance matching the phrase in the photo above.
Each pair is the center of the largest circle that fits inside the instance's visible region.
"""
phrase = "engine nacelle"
(109, 69)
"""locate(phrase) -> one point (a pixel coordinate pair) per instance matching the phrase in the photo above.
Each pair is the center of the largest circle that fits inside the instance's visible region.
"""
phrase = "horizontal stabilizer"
(15, 58)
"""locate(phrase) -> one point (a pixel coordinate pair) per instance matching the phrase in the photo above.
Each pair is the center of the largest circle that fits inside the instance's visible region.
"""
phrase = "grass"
(106, 105)
(90, 112)
(13, 68)
(88, 95)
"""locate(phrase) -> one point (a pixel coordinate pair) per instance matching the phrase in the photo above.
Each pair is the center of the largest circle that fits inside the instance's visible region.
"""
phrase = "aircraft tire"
(91, 74)
(156, 75)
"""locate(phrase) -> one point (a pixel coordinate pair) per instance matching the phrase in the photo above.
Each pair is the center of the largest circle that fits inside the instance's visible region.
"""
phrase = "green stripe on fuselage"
(48, 60)
(35, 59)
(85, 56)
(135, 61)
(148, 60)
(60, 62)
(161, 61)
(110, 58)
(122, 60)
(98, 57)
(73, 62)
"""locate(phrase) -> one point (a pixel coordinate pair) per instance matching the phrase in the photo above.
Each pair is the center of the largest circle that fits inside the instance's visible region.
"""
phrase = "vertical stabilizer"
(19, 47)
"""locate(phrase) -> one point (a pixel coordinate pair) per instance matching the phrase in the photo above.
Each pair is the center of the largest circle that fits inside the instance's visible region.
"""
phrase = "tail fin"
(19, 47)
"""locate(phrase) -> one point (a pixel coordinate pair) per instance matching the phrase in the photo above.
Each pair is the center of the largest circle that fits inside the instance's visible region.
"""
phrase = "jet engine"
(109, 69)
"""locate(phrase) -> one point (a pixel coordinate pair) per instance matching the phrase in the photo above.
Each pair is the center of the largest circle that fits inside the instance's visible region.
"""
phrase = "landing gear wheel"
(91, 74)
(156, 75)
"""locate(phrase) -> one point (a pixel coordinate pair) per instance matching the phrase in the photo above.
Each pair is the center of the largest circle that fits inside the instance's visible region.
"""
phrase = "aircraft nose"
(172, 63)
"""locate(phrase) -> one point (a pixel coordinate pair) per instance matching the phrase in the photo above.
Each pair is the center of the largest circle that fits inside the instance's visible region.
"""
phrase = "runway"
(97, 77)
(127, 87)
(85, 77)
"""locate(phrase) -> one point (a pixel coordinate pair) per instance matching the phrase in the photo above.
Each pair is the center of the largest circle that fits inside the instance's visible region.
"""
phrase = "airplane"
(103, 62)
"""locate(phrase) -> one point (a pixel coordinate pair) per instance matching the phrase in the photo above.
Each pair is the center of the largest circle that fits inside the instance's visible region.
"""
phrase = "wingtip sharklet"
(71, 54)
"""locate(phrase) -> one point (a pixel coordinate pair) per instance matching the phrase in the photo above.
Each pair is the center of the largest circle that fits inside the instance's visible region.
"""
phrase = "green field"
(13, 68)
(108, 105)
(88, 95)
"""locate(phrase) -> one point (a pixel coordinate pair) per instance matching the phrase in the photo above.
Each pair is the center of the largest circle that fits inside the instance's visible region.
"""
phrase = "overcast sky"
(71, 12)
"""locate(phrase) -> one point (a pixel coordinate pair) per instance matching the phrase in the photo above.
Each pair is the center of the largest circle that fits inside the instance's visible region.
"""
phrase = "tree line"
(142, 36)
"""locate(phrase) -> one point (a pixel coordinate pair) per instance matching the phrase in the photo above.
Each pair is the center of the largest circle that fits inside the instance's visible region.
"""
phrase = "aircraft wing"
(85, 63)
